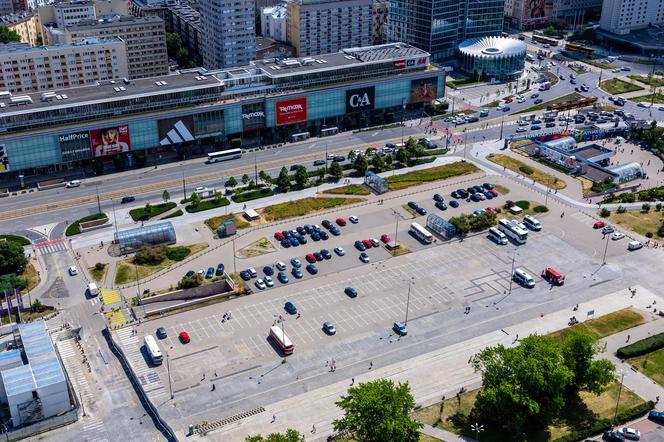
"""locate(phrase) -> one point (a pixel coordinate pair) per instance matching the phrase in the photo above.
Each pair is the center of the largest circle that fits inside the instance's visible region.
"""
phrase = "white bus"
(421, 233)
(223, 155)
(512, 230)
(153, 350)
(497, 236)
(279, 337)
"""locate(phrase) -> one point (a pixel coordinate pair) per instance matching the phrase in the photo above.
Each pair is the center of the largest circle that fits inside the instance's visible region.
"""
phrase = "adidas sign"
(177, 134)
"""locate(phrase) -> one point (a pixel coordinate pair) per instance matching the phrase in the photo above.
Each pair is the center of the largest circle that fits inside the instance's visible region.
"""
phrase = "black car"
(471, 191)
(300, 230)
(286, 243)
(319, 163)
(550, 124)
(327, 224)
(309, 228)
(613, 436)
(326, 254)
(302, 239)
(359, 246)
(127, 199)
(421, 211)
(268, 270)
(438, 198)
(455, 195)
(413, 205)
(537, 101)
(476, 197)
(245, 275)
(220, 270)
(478, 188)
(316, 236)
(294, 167)
(462, 193)
(335, 231)
(319, 256)
(290, 308)
(441, 205)
(323, 235)
(488, 186)
(190, 273)
(339, 159)
(161, 333)
(350, 291)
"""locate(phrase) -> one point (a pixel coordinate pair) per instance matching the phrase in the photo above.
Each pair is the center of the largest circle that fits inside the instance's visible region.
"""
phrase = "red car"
(385, 238)
(184, 337)
(341, 222)
(491, 209)
(599, 225)
(310, 258)
(508, 100)
(493, 192)
(367, 243)
(279, 236)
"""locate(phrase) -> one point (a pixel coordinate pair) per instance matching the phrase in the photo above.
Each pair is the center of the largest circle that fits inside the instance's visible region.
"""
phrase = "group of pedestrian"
(467, 311)
(332, 364)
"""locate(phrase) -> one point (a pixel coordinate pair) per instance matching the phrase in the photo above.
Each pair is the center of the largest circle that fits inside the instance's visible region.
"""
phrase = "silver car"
(328, 327)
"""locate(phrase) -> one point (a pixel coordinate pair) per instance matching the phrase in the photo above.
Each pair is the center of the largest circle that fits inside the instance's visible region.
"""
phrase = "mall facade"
(137, 122)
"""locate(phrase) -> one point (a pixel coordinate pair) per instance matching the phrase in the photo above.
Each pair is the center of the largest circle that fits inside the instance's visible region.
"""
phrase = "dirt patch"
(257, 248)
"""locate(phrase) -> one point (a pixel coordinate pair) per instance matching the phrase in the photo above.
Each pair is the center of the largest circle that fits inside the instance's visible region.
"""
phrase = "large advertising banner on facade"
(253, 116)
(424, 90)
(110, 141)
(176, 130)
(75, 146)
(291, 111)
(360, 99)
(4, 159)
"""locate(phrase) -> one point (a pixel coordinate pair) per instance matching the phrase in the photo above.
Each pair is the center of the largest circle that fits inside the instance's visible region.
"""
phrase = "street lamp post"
(512, 272)
(548, 189)
(477, 428)
(234, 264)
(606, 247)
(622, 377)
(115, 220)
(168, 368)
(184, 186)
(410, 283)
(98, 202)
(403, 111)
(502, 121)
(396, 229)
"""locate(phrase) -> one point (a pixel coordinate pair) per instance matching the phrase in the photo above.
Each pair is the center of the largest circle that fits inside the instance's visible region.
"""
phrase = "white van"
(532, 223)
(497, 236)
(523, 278)
(92, 289)
(634, 245)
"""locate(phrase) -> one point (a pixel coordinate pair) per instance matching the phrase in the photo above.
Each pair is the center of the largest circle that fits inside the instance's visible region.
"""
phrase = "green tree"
(245, 179)
(195, 199)
(351, 156)
(37, 306)
(301, 177)
(12, 258)
(645, 207)
(8, 35)
(550, 31)
(218, 197)
(166, 196)
(173, 44)
(522, 386)
(588, 374)
(290, 436)
(283, 181)
(378, 162)
(264, 177)
(378, 411)
(10, 282)
(336, 172)
(361, 165)
(231, 182)
(188, 282)
(402, 156)
(389, 159)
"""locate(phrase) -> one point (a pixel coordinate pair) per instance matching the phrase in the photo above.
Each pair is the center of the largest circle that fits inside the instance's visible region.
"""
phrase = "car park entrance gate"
(375, 182)
(441, 226)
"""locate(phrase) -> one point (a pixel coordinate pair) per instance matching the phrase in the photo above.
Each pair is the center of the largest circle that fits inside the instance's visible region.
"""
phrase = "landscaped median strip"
(524, 169)
(417, 177)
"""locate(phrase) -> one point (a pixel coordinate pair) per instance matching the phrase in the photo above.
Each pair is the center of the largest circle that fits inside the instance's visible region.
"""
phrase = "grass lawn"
(126, 270)
(427, 438)
(578, 411)
(599, 64)
(402, 250)
(99, 275)
(175, 214)
(20, 240)
(304, 206)
(659, 98)
(463, 82)
(156, 210)
(653, 367)
(655, 81)
(501, 189)
(605, 325)
(351, 189)
(524, 169)
(616, 86)
(568, 97)
(30, 274)
(253, 195)
(638, 221)
(75, 227)
(442, 151)
(410, 210)
(214, 223)
(416, 177)
(207, 205)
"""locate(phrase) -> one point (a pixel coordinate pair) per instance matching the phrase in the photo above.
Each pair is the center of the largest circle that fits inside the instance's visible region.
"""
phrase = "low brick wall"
(50, 184)
(204, 291)
(94, 224)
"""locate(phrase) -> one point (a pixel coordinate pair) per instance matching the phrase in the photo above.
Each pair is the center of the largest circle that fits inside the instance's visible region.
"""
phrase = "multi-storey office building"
(203, 111)
(186, 22)
(624, 16)
(229, 37)
(438, 26)
(26, 69)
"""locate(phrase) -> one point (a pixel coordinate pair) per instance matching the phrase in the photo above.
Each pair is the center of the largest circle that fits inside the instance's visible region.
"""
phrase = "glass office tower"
(438, 26)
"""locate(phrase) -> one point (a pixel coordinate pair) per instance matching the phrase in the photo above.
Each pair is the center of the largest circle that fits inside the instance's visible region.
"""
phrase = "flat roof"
(18, 380)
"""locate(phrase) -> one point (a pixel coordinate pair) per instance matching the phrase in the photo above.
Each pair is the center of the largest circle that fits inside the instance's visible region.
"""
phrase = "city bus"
(279, 337)
(544, 39)
(421, 233)
(579, 49)
(223, 155)
(153, 350)
(512, 230)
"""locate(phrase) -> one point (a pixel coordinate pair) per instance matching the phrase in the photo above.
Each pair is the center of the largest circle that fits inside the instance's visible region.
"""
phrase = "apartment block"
(229, 32)
(26, 25)
(186, 22)
(623, 16)
(26, 69)
(322, 27)
(273, 22)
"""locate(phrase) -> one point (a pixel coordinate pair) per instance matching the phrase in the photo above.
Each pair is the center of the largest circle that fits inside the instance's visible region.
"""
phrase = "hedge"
(525, 205)
(253, 195)
(641, 347)
(602, 425)
(540, 209)
(207, 205)
(75, 227)
(20, 240)
(156, 210)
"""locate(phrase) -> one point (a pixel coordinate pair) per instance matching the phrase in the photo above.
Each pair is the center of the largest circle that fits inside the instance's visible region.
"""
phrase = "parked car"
(657, 416)
(341, 222)
(438, 198)
(220, 270)
(454, 203)
(360, 246)
(324, 236)
(268, 270)
(161, 333)
(364, 257)
(310, 257)
(339, 251)
(327, 223)
(413, 205)
(210, 273)
(127, 199)
(634, 245)
(279, 236)
(245, 275)
(184, 337)
(280, 265)
(268, 281)
(290, 308)
(319, 256)
(374, 242)
(353, 219)
(630, 433)
(73, 183)
(260, 284)
(319, 163)
(400, 328)
(421, 211)
(315, 236)
(441, 205)
(190, 273)
(617, 236)
(385, 238)
(326, 254)
(613, 436)
(367, 243)
(297, 272)
(282, 277)
(328, 328)
(599, 225)
(311, 268)
(351, 292)
(335, 231)
(607, 229)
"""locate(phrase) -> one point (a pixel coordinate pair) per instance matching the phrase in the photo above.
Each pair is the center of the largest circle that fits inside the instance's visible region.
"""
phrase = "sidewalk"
(444, 435)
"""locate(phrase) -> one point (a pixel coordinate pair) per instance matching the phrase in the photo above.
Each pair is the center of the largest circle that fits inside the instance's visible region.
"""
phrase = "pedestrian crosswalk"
(95, 300)
(145, 374)
(47, 247)
(93, 427)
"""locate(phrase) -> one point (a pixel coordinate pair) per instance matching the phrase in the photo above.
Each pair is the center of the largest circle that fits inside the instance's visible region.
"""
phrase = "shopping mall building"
(198, 111)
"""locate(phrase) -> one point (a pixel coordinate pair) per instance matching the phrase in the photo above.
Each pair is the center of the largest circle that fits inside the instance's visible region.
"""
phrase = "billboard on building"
(291, 111)
(424, 90)
(176, 130)
(4, 159)
(75, 146)
(400, 64)
(362, 99)
(253, 116)
(536, 11)
(110, 141)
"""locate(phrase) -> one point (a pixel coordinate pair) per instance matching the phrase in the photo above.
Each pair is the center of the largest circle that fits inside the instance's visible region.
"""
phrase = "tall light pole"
(477, 428)
(115, 220)
(606, 247)
(512, 272)
(410, 283)
(326, 157)
(234, 265)
(403, 111)
(184, 186)
(622, 377)
(98, 201)
(502, 121)
(396, 229)
(168, 368)
(548, 189)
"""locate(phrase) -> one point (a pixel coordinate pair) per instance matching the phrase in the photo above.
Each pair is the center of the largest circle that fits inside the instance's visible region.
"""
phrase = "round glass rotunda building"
(499, 58)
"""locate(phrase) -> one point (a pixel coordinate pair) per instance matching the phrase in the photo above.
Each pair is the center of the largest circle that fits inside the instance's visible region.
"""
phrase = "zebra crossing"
(94, 300)
(48, 247)
(93, 427)
(146, 375)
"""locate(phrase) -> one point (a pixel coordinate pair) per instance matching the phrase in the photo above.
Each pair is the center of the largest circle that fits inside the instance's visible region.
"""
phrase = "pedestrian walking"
(628, 336)
(352, 381)
(274, 418)
(370, 365)
(313, 429)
